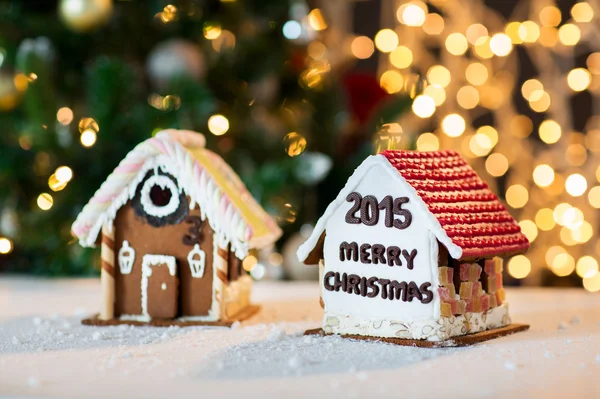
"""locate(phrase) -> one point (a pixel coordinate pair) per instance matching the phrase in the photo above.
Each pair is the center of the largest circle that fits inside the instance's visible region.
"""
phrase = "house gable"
(204, 176)
(391, 178)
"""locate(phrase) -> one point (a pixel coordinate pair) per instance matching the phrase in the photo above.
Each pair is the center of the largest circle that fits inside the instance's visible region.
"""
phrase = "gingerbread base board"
(243, 315)
(462, 340)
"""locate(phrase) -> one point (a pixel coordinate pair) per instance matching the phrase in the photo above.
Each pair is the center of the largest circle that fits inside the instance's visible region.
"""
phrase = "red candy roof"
(468, 211)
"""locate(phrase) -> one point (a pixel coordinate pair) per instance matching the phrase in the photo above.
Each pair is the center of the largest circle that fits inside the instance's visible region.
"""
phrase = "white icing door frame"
(147, 262)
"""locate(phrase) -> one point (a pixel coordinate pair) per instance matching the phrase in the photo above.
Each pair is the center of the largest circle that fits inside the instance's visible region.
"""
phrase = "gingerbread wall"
(195, 294)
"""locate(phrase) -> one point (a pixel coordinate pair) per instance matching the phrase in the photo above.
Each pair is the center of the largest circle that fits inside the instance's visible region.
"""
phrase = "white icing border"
(197, 265)
(163, 182)
(126, 262)
(430, 330)
(354, 180)
(147, 262)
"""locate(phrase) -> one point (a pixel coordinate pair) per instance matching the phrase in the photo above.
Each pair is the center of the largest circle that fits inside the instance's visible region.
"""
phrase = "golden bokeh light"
(362, 47)
(531, 89)
(88, 138)
(316, 20)
(583, 233)
(412, 15)
(576, 185)
(544, 219)
(594, 197)
(428, 142)
(593, 63)
(517, 196)
(439, 75)
(569, 34)
(456, 43)
(552, 253)
(401, 57)
(550, 16)
(550, 131)
(45, 201)
(529, 32)
(88, 124)
(391, 81)
(249, 263)
(434, 24)
(453, 125)
(548, 36)
(586, 266)
(64, 116)
(467, 97)
(436, 92)
(563, 264)
(218, 124)
(576, 154)
(386, 40)
(529, 228)
(512, 31)
(519, 266)
(521, 126)
(592, 283)
(543, 175)
(476, 74)
(212, 30)
(579, 79)
(475, 31)
(6, 246)
(582, 12)
(226, 41)
(501, 45)
(542, 104)
(482, 48)
(559, 212)
(423, 106)
(316, 50)
(294, 144)
(496, 164)
(567, 238)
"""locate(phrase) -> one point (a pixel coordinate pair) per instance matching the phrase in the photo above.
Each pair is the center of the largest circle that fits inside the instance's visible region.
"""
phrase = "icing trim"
(231, 210)
(196, 265)
(163, 182)
(147, 262)
(353, 182)
(126, 260)
(430, 330)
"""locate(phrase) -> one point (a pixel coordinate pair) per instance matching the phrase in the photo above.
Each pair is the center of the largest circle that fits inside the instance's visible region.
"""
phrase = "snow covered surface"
(45, 351)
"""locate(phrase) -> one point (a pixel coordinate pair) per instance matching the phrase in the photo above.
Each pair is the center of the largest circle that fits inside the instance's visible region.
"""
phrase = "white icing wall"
(378, 183)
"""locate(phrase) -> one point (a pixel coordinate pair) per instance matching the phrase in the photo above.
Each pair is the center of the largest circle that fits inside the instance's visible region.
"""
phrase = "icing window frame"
(173, 212)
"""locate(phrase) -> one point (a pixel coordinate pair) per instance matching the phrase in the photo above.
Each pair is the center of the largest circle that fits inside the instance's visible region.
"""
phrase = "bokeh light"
(423, 106)
(362, 47)
(579, 79)
(550, 131)
(569, 34)
(401, 57)
(453, 125)
(294, 144)
(576, 185)
(439, 75)
(519, 266)
(456, 43)
(496, 164)
(428, 142)
(517, 196)
(543, 175)
(218, 124)
(386, 40)
(45, 201)
(6, 246)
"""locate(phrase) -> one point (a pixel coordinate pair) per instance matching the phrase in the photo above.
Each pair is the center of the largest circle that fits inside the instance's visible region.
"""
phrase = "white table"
(44, 351)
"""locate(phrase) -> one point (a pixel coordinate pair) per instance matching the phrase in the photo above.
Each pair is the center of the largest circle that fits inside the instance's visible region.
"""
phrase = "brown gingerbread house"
(174, 223)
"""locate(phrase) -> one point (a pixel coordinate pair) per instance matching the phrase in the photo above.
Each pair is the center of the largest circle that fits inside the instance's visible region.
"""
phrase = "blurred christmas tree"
(79, 91)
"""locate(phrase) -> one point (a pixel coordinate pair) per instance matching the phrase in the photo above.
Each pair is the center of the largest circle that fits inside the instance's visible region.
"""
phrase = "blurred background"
(294, 94)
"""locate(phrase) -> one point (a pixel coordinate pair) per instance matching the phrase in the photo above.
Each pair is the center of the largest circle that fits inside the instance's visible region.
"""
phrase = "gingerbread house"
(174, 223)
(412, 248)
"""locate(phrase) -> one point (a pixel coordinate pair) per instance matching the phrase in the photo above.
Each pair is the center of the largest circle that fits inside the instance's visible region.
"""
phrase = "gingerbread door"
(160, 287)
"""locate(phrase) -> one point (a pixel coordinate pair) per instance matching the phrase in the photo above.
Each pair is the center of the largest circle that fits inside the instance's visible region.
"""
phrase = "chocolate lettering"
(398, 290)
(426, 292)
(398, 202)
(384, 287)
(410, 258)
(363, 286)
(393, 254)
(352, 285)
(369, 213)
(378, 252)
(349, 251)
(413, 292)
(368, 287)
(351, 215)
(371, 283)
(326, 283)
(365, 254)
(386, 204)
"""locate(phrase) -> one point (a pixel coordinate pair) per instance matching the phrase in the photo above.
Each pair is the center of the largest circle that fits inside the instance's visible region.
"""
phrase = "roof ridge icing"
(243, 223)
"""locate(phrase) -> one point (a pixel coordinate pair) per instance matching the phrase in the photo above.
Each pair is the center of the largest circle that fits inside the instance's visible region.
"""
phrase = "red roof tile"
(468, 211)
